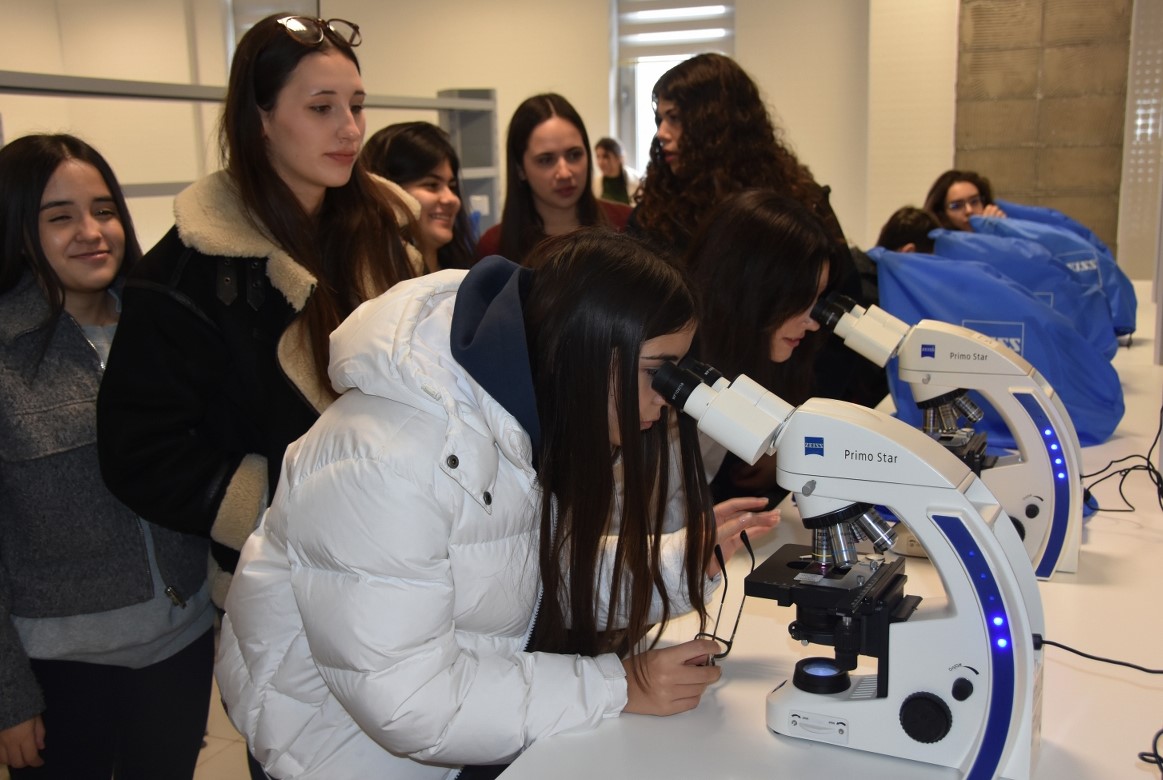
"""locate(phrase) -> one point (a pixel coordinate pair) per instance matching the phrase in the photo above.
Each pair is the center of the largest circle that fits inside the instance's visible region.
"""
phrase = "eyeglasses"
(309, 32)
(958, 205)
(714, 634)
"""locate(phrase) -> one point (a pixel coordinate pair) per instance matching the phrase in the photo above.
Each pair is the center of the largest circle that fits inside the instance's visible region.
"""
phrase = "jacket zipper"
(171, 592)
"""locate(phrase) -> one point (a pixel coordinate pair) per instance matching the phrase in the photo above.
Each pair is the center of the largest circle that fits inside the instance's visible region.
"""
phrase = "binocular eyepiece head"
(829, 310)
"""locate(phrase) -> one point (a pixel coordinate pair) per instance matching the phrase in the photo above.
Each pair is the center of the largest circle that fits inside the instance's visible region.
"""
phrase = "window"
(651, 36)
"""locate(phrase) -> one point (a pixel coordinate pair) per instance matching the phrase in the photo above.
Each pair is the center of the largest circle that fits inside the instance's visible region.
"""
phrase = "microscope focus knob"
(926, 717)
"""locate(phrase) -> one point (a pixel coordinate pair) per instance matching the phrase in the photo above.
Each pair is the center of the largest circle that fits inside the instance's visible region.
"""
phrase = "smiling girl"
(419, 157)
(106, 638)
(221, 357)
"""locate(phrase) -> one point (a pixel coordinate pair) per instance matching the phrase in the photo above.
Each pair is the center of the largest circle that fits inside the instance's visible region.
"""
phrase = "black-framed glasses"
(309, 32)
(714, 633)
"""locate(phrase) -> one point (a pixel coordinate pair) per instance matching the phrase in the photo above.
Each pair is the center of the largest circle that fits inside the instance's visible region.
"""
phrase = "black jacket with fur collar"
(210, 376)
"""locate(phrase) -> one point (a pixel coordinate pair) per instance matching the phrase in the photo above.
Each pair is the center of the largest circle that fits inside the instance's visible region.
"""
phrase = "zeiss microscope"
(1039, 485)
(958, 681)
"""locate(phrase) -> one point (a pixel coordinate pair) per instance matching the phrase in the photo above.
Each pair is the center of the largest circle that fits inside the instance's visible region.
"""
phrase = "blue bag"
(976, 296)
(1049, 216)
(1032, 266)
(1092, 264)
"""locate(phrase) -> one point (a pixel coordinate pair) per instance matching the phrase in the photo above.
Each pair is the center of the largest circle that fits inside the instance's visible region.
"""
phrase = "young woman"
(761, 262)
(106, 626)
(715, 138)
(618, 181)
(221, 357)
(549, 180)
(419, 157)
(435, 581)
(958, 195)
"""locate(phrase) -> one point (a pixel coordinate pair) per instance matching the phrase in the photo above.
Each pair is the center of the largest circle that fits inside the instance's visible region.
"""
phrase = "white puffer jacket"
(376, 623)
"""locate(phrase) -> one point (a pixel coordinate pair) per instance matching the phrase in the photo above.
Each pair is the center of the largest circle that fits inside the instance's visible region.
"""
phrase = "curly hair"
(728, 143)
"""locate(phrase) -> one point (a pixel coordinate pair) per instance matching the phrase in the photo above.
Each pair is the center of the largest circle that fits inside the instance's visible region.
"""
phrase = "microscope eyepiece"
(827, 313)
(675, 384)
(708, 374)
(845, 302)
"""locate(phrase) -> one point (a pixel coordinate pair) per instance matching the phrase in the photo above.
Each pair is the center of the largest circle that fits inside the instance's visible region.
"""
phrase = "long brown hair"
(354, 245)
(596, 296)
(935, 199)
(756, 263)
(521, 224)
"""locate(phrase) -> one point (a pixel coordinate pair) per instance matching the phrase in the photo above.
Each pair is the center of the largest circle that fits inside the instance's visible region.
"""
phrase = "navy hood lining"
(487, 337)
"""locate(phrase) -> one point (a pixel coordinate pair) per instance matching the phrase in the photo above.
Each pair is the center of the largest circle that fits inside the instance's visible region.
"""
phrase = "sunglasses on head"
(310, 32)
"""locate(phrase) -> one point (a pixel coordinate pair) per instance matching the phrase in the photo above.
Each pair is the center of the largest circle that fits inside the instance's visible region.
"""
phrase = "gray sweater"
(67, 546)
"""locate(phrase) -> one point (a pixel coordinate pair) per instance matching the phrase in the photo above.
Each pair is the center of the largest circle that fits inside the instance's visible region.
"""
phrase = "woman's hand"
(992, 210)
(740, 514)
(20, 745)
(677, 677)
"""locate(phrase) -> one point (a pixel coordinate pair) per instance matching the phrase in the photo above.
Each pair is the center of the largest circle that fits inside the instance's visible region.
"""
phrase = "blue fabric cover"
(1032, 266)
(1091, 262)
(976, 296)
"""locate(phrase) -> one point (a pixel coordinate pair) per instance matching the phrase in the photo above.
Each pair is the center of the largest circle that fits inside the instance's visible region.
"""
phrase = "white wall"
(863, 90)
(140, 40)
(810, 58)
(912, 81)
(864, 93)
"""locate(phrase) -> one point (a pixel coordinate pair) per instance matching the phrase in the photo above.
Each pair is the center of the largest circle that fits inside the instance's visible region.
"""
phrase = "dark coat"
(210, 376)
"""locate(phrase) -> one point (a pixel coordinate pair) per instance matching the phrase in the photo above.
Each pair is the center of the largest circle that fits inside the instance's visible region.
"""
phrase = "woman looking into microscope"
(761, 260)
(438, 578)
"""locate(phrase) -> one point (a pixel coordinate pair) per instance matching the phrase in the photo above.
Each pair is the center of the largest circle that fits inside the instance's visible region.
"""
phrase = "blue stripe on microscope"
(986, 764)
(1060, 476)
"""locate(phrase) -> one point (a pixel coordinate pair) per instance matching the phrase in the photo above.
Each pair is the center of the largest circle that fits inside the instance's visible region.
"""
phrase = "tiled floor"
(223, 758)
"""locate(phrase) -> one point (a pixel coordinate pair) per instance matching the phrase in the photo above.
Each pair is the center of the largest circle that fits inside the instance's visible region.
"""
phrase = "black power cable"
(1124, 471)
(1147, 756)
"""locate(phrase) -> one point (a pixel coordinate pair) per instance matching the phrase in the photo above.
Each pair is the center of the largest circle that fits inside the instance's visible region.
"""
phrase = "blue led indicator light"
(1057, 461)
(1003, 643)
(1048, 432)
(1054, 447)
(1061, 475)
(998, 621)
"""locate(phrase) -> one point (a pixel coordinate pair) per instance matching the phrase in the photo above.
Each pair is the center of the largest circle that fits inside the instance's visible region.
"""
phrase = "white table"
(1096, 717)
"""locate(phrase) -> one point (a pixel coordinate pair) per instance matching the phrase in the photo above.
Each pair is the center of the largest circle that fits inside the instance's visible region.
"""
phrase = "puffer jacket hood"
(372, 350)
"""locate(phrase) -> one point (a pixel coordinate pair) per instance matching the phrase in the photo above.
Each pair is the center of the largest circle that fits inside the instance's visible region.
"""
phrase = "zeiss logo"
(814, 445)
(929, 350)
(1011, 334)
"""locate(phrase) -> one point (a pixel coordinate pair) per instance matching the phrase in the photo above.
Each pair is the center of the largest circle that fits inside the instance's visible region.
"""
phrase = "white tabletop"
(1095, 717)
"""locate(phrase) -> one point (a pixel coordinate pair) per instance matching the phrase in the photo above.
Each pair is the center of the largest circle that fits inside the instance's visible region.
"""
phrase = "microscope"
(1039, 485)
(958, 680)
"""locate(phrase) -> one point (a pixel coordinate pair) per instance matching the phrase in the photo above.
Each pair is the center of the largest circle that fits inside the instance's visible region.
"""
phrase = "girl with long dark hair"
(447, 570)
(549, 180)
(221, 357)
(106, 626)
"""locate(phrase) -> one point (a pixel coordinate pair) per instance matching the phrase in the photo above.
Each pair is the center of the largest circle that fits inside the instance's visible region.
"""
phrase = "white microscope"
(958, 682)
(1039, 485)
